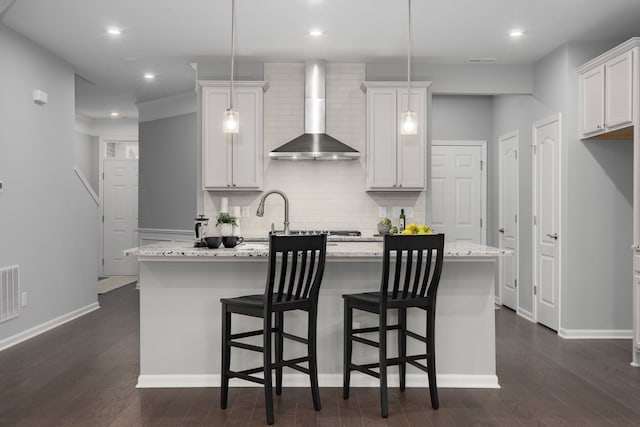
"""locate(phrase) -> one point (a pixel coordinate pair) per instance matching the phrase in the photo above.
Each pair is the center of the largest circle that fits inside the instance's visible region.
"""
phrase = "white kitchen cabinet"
(395, 162)
(609, 106)
(232, 161)
(606, 93)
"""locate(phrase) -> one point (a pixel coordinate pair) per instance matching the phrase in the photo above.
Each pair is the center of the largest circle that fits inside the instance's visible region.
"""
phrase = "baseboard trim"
(595, 334)
(47, 326)
(325, 380)
(525, 314)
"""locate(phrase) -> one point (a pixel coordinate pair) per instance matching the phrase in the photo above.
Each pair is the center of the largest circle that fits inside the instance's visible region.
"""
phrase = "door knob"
(553, 236)
(501, 230)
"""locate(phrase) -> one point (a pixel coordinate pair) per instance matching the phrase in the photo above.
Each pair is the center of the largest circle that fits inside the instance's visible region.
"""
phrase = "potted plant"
(384, 226)
(226, 223)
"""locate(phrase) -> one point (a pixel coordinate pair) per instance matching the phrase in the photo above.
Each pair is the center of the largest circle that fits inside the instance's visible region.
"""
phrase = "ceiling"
(165, 36)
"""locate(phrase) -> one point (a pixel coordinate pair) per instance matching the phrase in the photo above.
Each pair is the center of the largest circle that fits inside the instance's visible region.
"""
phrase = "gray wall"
(462, 117)
(86, 157)
(596, 186)
(467, 79)
(597, 267)
(48, 222)
(168, 172)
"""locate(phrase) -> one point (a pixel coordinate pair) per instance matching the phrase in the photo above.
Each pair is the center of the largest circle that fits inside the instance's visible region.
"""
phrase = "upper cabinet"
(607, 86)
(232, 161)
(395, 162)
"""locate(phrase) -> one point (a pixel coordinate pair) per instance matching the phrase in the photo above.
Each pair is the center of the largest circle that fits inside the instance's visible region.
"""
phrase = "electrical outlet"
(244, 212)
(24, 299)
(382, 212)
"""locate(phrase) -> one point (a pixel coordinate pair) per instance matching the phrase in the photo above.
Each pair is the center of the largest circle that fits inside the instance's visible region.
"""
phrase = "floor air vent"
(9, 292)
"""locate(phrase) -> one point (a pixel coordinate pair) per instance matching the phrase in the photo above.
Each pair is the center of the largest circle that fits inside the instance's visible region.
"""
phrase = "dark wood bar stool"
(296, 266)
(411, 269)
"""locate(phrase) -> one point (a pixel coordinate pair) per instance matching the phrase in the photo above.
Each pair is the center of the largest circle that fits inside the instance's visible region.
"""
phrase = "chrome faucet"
(260, 211)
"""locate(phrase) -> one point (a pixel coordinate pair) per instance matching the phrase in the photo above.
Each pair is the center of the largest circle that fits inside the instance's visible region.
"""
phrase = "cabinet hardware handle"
(501, 230)
(553, 236)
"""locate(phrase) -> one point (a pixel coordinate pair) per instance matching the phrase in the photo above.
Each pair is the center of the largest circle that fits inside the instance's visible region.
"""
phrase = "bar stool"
(413, 285)
(296, 266)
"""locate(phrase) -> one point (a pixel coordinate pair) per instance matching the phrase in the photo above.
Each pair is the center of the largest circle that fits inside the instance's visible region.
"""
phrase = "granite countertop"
(335, 249)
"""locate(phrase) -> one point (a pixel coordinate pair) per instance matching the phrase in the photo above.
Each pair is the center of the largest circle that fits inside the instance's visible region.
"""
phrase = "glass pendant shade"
(409, 123)
(231, 121)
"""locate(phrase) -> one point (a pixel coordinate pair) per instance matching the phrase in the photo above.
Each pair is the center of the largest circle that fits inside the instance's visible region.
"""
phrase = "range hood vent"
(315, 143)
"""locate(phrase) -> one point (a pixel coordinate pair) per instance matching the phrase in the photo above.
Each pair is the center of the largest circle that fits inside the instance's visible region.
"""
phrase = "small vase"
(226, 229)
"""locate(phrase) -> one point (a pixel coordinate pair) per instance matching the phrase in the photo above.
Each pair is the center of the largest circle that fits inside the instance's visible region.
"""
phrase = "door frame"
(483, 178)
(511, 134)
(555, 117)
(102, 141)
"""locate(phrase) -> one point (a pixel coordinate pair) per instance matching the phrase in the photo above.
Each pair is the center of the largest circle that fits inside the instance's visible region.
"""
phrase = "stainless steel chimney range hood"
(314, 143)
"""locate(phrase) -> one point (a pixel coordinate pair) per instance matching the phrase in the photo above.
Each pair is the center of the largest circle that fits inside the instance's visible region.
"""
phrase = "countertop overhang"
(360, 249)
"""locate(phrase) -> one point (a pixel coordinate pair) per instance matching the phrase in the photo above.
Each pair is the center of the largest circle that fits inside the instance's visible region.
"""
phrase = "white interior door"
(120, 216)
(508, 218)
(458, 190)
(546, 139)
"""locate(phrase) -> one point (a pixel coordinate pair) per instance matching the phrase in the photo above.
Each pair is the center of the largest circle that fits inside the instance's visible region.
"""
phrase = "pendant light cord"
(409, 57)
(233, 50)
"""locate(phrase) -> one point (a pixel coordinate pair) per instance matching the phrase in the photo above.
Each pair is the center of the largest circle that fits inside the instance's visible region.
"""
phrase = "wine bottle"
(402, 220)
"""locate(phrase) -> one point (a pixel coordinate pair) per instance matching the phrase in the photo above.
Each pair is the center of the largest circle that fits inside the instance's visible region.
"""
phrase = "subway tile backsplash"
(322, 194)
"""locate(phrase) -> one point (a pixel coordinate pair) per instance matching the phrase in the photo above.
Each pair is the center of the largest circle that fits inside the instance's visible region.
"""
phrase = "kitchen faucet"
(260, 211)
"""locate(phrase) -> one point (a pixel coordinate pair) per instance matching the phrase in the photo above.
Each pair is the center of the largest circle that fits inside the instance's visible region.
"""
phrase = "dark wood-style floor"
(84, 374)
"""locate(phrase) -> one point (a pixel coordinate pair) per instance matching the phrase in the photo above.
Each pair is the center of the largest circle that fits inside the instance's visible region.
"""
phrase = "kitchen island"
(180, 313)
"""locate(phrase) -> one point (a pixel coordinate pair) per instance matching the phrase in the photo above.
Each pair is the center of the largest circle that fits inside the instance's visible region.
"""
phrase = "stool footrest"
(364, 369)
(245, 346)
(246, 334)
(246, 375)
(420, 366)
(416, 336)
(373, 329)
(293, 364)
(295, 338)
(365, 341)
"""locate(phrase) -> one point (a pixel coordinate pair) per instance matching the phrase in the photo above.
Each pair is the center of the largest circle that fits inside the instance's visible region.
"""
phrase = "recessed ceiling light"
(115, 114)
(516, 33)
(316, 32)
(114, 31)
(149, 76)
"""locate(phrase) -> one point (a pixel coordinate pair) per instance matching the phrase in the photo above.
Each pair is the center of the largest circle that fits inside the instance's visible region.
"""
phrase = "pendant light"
(231, 119)
(408, 118)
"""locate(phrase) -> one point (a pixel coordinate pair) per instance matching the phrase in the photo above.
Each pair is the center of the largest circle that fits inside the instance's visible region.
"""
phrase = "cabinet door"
(619, 91)
(246, 170)
(216, 152)
(411, 148)
(232, 162)
(592, 102)
(381, 138)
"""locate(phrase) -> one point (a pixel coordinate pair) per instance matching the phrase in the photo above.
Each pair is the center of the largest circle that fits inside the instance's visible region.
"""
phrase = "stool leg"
(226, 356)
(384, 401)
(347, 347)
(431, 358)
(313, 357)
(279, 350)
(267, 368)
(402, 345)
